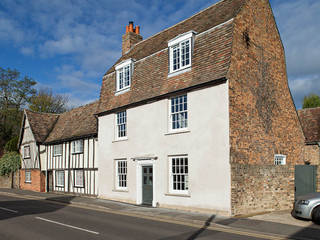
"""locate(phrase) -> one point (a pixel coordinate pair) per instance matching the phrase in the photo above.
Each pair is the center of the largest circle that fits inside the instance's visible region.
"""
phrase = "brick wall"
(263, 118)
(312, 154)
(261, 188)
(37, 181)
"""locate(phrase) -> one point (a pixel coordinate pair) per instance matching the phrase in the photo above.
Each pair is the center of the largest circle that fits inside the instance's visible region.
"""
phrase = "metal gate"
(305, 179)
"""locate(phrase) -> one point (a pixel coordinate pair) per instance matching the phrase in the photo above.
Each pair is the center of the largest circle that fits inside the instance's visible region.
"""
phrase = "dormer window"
(180, 50)
(124, 73)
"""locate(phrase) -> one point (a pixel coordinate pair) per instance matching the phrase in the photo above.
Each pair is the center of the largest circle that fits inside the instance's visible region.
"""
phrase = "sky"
(68, 45)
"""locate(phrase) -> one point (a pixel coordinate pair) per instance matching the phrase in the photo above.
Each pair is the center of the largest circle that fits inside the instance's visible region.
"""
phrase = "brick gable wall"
(263, 118)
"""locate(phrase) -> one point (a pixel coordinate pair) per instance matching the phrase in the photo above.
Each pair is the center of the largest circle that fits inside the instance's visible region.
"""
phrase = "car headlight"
(304, 202)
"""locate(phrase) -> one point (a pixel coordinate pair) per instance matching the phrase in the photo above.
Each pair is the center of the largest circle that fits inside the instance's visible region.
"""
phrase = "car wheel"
(316, 215)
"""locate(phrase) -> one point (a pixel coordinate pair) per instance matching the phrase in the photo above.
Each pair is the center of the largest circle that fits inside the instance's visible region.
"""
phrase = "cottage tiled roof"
(41, 124)
(76, 123)
(210, 58)
(310, 121)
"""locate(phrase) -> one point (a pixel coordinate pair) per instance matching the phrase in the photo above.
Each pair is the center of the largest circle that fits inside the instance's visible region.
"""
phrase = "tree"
(311, 101)
(45, 101)
(9, 163)
(15, 93)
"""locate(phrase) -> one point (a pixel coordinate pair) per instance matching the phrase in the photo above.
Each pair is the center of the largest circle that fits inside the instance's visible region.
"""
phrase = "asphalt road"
(33, 219)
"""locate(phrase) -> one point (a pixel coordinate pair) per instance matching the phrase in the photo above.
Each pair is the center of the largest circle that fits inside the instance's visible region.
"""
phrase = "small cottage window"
(123, 75)
(60, 178)
(28, 176)
(26, 152)
(279, 159)
(77, 146)
(180, 52)
(78, 179)
(57, 150)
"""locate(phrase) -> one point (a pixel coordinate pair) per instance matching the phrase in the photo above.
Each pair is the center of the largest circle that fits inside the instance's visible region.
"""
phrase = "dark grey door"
(305, 179)
(147, 185)
(50, 181)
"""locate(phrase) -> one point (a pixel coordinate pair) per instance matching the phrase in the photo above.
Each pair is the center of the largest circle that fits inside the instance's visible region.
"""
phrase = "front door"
(147, 185)
(50, 181)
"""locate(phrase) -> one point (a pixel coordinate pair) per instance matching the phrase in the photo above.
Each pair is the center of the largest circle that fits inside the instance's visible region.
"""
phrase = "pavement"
(272, 225)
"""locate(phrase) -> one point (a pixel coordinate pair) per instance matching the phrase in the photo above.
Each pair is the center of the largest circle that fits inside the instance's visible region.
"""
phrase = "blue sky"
(68, 45)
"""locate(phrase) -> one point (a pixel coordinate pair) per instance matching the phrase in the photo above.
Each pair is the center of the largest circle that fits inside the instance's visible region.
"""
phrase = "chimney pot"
(130, 26)
(131, 37)
(137, 30)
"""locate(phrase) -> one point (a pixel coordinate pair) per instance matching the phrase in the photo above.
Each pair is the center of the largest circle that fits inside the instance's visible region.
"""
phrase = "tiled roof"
(200, 22)
(310, 121)
(76, 123)
(41, 124)
(210, 59)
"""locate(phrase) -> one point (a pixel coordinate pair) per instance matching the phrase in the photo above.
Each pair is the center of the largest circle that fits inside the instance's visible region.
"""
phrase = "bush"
(10, 162)
(12, 145)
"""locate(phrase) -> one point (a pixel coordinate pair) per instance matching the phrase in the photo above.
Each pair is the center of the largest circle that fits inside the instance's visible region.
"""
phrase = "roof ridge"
(166, 29)
(41, 112)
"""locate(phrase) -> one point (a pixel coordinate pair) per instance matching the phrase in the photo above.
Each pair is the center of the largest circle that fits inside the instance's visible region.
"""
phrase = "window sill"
(120, 140)
(58, 155)
(59, 186)
(177, 132)
(180, 71)
(78, 186)
(28, 182)
(177, 195)
(74, 153)
(120, 190)
(124, 90)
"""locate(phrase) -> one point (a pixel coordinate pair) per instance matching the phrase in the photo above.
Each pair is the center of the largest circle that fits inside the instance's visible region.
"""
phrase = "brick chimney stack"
(131, 37)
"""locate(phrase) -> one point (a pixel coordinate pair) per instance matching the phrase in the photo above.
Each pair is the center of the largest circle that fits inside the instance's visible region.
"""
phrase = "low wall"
(8, 181)
(256, 188)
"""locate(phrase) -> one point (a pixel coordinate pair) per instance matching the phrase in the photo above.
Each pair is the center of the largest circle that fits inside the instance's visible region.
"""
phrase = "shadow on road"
(194, 235)
(18, 208)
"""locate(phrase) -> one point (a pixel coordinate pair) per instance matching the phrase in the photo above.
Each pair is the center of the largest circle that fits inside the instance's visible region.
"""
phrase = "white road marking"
(67, 225)
(9, 210)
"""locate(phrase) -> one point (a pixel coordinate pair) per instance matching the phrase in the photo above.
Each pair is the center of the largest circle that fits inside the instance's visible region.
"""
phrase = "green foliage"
(311, 101)
(12, 145)
(15, 93)
(10, 162)
(46, 101)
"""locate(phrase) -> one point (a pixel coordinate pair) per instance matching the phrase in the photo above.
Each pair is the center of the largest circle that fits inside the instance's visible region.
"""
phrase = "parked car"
(308, 207)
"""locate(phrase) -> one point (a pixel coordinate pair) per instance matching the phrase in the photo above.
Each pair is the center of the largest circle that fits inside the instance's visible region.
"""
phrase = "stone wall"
(8, 181)
(256, 188)
(37, 181)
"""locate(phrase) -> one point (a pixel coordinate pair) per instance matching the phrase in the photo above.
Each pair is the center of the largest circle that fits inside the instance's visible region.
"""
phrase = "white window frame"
(179, 113)
(27, 176)
(58, 178)
(77, 181)
(122, 73)
(24, 151)
(121, 174)
(280, 159)
(57, 150)
(122, 124)
(177, 43)
(177, 173)
(77, 146)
